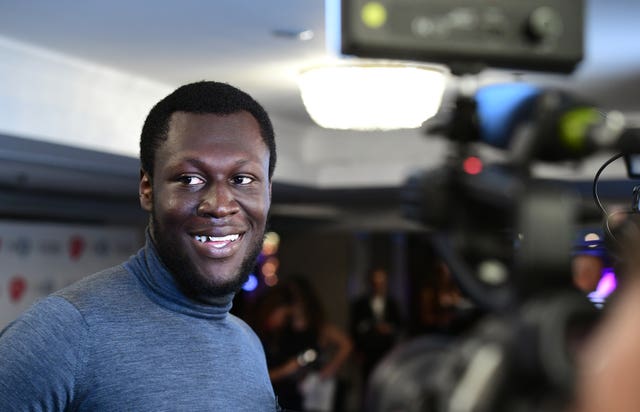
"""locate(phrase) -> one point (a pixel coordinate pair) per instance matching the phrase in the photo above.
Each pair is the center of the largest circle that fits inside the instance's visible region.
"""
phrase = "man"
(375, 322)
(608, 363)
(155, 333)
(586, 269)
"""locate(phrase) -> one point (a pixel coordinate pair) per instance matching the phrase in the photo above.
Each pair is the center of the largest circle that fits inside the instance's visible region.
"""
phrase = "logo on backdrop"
(101, 247)
(76, 247)
(22, 246)
(17, 288)
(50, 247)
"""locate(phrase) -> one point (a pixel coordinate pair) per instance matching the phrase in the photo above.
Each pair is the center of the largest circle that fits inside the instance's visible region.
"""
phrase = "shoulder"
(246, 333)
(111, 276)
(41, 351)
(100, 288)
(57, 318)
(51, 317)
(242, 326)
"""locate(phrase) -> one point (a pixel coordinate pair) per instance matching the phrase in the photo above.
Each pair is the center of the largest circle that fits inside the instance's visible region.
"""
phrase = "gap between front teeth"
(228, 238)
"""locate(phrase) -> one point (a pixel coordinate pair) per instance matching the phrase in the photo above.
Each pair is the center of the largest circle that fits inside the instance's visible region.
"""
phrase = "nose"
(218, 202)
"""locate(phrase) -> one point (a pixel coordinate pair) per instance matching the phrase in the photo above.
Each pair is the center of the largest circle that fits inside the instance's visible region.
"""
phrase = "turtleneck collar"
(160, 286)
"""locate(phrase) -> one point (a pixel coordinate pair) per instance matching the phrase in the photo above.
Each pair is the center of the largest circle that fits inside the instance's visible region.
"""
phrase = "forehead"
(213, 133)
(587, 259)
(234, 126)
(379, 274)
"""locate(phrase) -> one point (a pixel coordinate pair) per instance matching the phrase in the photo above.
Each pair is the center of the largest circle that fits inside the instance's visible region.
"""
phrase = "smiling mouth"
(217, 241)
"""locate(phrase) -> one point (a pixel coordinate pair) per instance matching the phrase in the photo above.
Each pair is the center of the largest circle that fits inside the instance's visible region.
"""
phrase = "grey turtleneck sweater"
(126, 339)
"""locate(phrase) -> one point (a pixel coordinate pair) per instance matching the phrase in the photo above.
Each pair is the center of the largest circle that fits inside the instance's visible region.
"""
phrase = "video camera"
(506, 235)
(532, 35)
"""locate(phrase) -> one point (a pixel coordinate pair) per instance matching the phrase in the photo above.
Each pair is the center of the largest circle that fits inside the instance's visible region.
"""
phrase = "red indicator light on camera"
(472, 165)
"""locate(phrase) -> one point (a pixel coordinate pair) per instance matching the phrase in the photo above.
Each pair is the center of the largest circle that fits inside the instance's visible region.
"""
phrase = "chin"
(200, 277)
(217, 285)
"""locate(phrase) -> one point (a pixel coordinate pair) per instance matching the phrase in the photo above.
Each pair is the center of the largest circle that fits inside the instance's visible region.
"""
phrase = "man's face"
(379, 282)
(209, 200)
(587, 271)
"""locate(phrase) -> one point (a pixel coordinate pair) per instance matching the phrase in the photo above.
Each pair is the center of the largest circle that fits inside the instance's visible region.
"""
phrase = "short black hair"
(203, 97)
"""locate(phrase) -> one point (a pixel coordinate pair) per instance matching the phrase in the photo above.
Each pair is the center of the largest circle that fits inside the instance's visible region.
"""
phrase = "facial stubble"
(194, 284)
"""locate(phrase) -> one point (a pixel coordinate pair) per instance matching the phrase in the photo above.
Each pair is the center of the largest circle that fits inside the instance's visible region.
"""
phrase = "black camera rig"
(506, 235)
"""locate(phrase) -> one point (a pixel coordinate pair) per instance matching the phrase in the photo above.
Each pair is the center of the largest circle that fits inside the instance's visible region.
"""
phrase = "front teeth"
(228, 238)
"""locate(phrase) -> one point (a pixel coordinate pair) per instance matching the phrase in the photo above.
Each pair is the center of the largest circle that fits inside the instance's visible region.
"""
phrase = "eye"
(242, 180)
(190, 180)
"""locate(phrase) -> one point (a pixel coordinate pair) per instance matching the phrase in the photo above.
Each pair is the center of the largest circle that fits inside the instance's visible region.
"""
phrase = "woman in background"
(304, 351)
(324, 346)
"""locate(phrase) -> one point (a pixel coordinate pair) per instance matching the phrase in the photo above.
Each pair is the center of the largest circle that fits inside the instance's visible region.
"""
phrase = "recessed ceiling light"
(295, 34)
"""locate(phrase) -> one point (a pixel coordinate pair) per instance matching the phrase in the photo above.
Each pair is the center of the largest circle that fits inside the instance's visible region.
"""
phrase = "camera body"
(499, 214)
(542, 35)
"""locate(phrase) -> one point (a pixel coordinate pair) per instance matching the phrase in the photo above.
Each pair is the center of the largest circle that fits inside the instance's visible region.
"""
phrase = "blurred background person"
(587, 271)
(323, 345)
(609, 364)
(376, 324)
(305, 352)
(441, 307)
(588, 262)
(271, 319)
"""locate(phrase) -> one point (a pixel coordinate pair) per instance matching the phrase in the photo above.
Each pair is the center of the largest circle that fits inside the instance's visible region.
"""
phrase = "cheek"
(171, 209)
(257, 207)
(175, 205)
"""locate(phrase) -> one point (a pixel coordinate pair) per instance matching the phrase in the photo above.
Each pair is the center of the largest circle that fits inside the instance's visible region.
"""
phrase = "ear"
(145, 191)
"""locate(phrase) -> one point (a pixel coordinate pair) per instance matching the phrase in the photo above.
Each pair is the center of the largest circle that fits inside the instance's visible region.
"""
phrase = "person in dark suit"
(376, 323)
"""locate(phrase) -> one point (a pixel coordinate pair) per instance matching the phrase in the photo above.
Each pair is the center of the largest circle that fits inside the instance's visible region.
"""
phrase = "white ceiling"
(251, 44)
(174, 42)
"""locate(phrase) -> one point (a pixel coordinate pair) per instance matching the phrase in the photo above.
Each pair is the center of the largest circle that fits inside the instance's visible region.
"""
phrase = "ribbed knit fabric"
(126, 339)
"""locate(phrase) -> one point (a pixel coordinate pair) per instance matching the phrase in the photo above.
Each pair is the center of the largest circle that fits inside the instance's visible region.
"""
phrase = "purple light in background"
(251, 284)
(605, 287)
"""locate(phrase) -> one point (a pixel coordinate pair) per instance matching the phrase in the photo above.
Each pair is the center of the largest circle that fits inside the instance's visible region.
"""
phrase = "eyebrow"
(202, 164)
